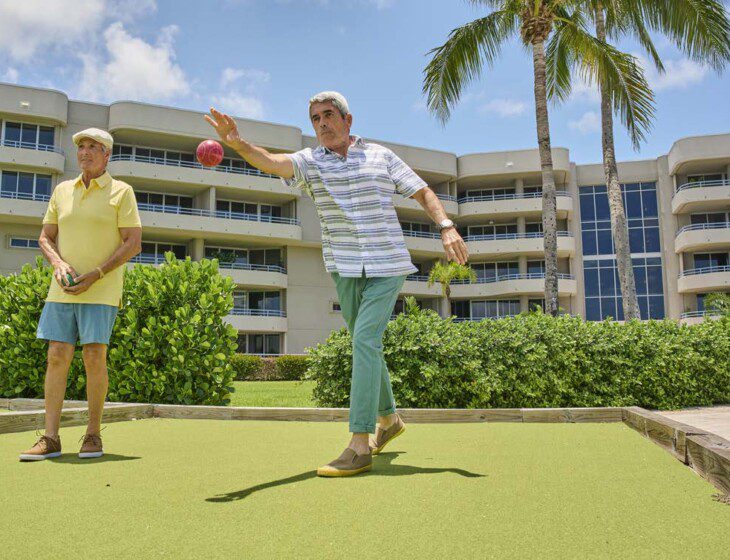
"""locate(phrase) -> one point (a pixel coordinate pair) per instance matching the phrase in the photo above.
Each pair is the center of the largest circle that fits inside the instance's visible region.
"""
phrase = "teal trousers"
(367, 304)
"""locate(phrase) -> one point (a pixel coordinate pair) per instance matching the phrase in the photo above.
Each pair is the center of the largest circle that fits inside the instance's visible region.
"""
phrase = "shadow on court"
(106, 458)
(382, 466)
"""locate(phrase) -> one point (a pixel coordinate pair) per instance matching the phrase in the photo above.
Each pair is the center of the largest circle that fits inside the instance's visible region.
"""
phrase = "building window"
(248, 208)
(640, 203)
(491, 193)
(164, 199)
(261, 301)
(416, 226)
(495, 270)
(23, 243)
(535, 304)
(710, 218)
(28, 186)
(153, 251)
(706, 177)
(259, 343)
(268, 257)
(28, 134)
(492, 229)
(485, 309)
(707, 260)
(536, 267)
(603, 293)
(336, 307)
(533, 227)
(533, 189)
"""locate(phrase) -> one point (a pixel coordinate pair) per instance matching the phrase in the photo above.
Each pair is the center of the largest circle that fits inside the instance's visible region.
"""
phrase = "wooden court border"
(706, 453)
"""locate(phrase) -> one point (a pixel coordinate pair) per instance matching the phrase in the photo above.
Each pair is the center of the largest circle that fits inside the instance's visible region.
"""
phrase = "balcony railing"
(417, 277)
(169, 209)
(704, 270)
(705, 313)
(498, 236)
(446, 197)
(32, 146)
(507, 277)
(701, 184)
(513, 196)
(191, 165)
(425, 234)
(147, 259)
(25, 196)
(258, 312)
(696, 227)
(461, 319)
(248, 266)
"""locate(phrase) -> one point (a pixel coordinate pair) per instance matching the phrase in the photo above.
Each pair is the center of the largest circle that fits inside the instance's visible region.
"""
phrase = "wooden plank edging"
(24, 420)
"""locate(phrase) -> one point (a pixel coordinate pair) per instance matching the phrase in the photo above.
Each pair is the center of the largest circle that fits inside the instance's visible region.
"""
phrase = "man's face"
(91, 156)
(331, 128)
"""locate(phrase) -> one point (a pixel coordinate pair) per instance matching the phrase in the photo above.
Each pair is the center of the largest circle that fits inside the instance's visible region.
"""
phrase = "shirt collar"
(102, 181)
(354, 141)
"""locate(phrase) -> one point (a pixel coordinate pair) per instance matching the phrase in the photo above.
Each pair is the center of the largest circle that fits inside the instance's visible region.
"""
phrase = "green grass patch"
(234, 489)
(273, 393)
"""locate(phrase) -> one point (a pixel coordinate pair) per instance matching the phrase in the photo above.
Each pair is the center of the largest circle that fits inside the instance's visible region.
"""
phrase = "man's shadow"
(382, 465)
(106, 458)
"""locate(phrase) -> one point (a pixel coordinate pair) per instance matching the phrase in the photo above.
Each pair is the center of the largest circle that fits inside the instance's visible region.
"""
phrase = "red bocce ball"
(209, 153)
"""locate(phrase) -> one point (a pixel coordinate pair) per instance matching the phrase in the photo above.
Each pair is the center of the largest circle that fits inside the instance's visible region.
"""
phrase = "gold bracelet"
(101, 272)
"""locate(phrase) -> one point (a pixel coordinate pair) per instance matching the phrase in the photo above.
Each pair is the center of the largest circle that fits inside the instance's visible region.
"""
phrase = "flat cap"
(101, 136)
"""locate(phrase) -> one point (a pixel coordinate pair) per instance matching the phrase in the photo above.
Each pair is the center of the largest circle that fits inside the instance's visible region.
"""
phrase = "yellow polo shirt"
(88, 233)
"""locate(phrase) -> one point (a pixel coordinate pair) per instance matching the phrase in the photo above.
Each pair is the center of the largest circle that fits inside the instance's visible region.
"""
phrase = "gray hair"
(337, 99)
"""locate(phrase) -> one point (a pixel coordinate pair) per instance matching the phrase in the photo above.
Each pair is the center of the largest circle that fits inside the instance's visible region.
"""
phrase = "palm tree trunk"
(619, 226)
(549, 217)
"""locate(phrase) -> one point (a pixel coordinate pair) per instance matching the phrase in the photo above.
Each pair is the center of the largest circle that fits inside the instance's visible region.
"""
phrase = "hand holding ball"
(209, 153)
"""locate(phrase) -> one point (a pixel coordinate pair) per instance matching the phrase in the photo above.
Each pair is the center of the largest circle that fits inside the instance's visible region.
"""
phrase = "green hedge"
(246, 367)
(291, 368)
(170, 343)
(280, 368)
(535, 360)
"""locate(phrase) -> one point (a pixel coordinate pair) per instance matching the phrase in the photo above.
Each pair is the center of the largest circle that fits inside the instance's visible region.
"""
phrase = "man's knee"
(94, 357)
(60, 354)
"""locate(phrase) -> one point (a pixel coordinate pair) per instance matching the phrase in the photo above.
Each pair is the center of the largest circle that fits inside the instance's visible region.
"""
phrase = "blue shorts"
(91, 323)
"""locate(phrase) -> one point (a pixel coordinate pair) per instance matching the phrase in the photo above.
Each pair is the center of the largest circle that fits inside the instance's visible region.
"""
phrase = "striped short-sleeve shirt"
(354, 200)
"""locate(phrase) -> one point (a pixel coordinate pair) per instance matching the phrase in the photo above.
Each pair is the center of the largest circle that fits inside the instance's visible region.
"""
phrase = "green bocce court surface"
(242, 489)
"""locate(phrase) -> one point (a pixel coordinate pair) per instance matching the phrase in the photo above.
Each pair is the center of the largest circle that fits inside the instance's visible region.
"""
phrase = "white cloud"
(131, 68)
(252, 77)
(240, 105)
(678, 74)
(10, 76)
(33, 25)
(582, 91)
(129, 10)
(503, 107)
(589, 123)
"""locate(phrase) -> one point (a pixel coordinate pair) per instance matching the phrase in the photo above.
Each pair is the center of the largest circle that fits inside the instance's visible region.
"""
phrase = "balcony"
(706, 279)
(701, 196)
(162, 170)
(24, 208)
(417, 285)
(411, 207)
(512, 285)
(32, 156)
(223, 225)
(425, 244)
(702, 237)
(512, 205)
(515, 244)
(257, 320)
(696, 317)
(255, 275)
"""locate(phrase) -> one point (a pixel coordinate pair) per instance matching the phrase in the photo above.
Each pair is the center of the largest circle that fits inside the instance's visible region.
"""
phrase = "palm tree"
(461, 59)
(698, 27)
(444, 274)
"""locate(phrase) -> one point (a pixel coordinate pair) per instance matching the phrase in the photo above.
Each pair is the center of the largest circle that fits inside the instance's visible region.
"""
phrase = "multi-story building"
(267, 235)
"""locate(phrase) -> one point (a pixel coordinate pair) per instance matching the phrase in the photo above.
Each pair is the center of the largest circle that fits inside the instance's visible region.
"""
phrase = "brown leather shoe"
(91, 447)
(45, 448)
(347, 464)
(383, 437)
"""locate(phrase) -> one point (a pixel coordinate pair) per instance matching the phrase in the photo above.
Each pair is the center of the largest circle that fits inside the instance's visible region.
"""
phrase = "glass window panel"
(636, 240)
(256, 300)
(276, 211)
(273, 258)
(593, 309)
(29, 133)
(644, 307)
(257, 256)
(186, 202)
(222, 206)
(248, 208)
(25, 183)
(12, 131)
(591, 282)
(172, 156)
(649, 203)
(608, 307)
(535, 227)
(237, 207)
(651, 236)
(179, 251)
(478, 309)
(189, 158)
(491, 308)
(460, 308)
(272, 344)
(239, 300)
(172, 200)
(157, 155)
(587, 211)
(608, 287)
(9, 181)
(535, 267)
(45, 136)
(602, 211)
(148, 249)
(143, 153)
(590, 246)
(18, 243)
(155, 198)
(272, 301)
(716, 217)
(640, 279)
(512, 228)
(633, 204)
(654, 279)
(242, 338)
(698, 218)
(43, 184)
(605, 243)
(656, 307)
(256, 343)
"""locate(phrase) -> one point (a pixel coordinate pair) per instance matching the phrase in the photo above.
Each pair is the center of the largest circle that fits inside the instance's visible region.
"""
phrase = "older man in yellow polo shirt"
(90, 230)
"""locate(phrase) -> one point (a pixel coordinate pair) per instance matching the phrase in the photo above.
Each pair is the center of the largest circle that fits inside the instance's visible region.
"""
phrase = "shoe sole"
(92, 455)
(377, 450)
(334, 473)
(28, 458)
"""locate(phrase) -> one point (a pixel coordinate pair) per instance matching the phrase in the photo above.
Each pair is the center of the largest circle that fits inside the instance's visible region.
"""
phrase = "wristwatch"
(443, 224)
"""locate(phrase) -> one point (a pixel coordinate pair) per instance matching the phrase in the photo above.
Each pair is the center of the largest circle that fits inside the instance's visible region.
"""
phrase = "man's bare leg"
(60, 355)
(97, 384)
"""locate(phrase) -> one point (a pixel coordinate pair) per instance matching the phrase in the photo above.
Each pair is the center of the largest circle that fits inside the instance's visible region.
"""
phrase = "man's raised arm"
(275, 164)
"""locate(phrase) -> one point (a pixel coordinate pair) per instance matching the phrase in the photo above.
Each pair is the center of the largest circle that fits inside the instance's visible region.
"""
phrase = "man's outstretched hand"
(226, 128)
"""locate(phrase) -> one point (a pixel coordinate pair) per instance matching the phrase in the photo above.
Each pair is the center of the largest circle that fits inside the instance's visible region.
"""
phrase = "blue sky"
(265, 58)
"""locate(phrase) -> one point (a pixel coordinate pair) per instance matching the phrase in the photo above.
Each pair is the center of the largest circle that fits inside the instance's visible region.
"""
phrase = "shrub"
(291, 368)
(534, 360)
(170, 343)
(246, 367)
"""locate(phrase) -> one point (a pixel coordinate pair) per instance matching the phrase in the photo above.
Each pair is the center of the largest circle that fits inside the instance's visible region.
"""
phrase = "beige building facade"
(266, 235)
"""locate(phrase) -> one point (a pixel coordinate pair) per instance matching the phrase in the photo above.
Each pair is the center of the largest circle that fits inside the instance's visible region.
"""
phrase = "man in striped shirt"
(352, 183)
